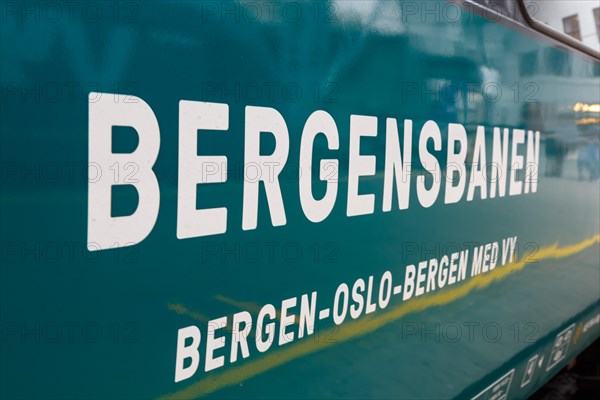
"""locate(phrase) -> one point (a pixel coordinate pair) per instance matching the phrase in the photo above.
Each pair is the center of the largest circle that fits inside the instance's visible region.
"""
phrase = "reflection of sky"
(382, 16)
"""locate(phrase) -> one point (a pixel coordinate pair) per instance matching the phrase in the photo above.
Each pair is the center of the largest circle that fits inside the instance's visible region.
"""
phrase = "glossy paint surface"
(80, 324)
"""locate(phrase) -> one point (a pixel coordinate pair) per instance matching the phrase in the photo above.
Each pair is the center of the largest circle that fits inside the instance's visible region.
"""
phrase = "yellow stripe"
(181, 310)
(252, 307)
(248, 306)
(366, 324)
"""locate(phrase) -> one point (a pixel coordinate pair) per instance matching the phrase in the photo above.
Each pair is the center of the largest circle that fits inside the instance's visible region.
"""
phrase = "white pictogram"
(561, 347)
(529, 370)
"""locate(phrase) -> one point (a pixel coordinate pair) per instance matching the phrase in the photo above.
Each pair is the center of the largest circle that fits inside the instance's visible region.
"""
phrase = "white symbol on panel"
(497, 390)
(529, 371)
(561, 347)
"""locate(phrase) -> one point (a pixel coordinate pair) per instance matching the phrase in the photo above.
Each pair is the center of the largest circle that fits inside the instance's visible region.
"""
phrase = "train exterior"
(294, 199)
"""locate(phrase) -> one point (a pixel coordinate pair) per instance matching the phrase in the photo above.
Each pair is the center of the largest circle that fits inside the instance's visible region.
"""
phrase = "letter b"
(184, 352)
(105, 111)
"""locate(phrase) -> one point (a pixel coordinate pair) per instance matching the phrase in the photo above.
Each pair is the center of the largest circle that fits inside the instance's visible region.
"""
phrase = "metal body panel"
(104, 324)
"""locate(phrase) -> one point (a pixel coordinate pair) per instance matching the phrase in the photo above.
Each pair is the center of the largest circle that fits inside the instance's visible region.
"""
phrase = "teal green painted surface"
(80, 324)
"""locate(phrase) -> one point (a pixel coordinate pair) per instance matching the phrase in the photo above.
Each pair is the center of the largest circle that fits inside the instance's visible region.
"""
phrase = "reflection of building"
(579, 19)
(567, 83)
